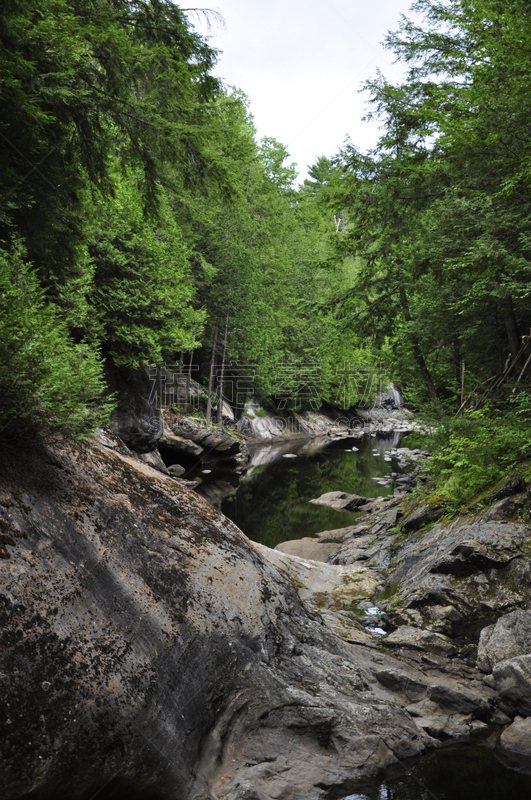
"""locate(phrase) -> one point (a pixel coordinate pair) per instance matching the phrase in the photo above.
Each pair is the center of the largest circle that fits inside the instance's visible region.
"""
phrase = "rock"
(441, 619)
(471, 556)
(308, 548)
(460, 701)
(507, 488)
(107, 438)
(145, 636)
(340, 501)
(513, 685)
(509, 637)
(516, 738)
(502, 509)
(154, 460)
(421, 517)
(175, 470)
(137, 419)
(490, 560)
(210, 439)
(324, 585)
(408, 636)
(403, 683)
(180, 445)
(190, 484)
(216, 491)
(256, 423)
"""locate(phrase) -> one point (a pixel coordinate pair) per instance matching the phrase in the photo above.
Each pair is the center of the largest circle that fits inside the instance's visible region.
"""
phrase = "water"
(270, 503)
(454, 772)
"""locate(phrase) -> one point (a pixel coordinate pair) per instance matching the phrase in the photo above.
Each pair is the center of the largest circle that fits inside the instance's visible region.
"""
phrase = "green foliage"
(47, 383)
(472, 452)
(142, 291)
(438, 214)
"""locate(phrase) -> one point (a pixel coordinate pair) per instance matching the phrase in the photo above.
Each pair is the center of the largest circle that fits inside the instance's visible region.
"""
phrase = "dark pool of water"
(270, 503)
(454, 772)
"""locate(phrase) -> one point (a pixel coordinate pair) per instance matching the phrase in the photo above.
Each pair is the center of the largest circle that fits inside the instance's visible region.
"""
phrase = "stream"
(270, 501)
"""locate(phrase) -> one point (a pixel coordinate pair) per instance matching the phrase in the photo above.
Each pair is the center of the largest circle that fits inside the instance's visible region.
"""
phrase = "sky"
(302, 63)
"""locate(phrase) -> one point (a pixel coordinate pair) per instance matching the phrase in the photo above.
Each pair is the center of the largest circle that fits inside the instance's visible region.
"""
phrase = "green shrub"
(47, 382)
(474, 451)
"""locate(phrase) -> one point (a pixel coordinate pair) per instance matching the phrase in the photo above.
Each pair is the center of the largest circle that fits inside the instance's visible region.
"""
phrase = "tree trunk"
(189, 381)
(211, 375)
(511, 327)
(424, 371)
(458, 371)
(222, 373)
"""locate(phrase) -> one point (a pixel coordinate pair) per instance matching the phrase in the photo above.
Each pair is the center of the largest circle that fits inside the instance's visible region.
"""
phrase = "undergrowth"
(472, 452)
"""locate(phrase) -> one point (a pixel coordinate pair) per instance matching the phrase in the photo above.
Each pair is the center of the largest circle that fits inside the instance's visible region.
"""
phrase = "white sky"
(301, 63)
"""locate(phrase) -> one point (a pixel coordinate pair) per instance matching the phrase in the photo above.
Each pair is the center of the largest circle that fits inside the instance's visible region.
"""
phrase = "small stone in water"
(206, 471)
(289, 455)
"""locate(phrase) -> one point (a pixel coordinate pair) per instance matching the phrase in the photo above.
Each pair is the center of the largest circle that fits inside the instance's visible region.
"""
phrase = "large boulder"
(179, 446)
(341, 501)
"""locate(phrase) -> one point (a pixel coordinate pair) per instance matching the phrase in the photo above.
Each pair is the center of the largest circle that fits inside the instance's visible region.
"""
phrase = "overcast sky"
(301, 63)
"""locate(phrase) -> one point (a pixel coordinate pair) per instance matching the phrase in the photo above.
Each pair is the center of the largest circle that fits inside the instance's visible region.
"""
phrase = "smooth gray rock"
(154, 460)
(513, 685)
(516, 738)
(340, 501)
(308, 548)
(509, 637)
(181, 445)
(175, 470)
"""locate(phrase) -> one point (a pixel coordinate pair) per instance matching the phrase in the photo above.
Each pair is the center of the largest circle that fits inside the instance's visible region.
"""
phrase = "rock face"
(209, 439)
(146, 643)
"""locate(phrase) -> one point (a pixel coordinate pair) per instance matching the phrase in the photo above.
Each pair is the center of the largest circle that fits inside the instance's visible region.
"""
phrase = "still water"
(270, 502)
(455, 772)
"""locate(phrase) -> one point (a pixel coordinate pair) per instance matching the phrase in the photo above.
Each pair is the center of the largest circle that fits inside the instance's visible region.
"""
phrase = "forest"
(141, 222)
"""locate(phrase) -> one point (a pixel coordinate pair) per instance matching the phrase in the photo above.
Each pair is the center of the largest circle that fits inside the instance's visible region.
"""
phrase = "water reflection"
(455, 772)
(270, 502)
